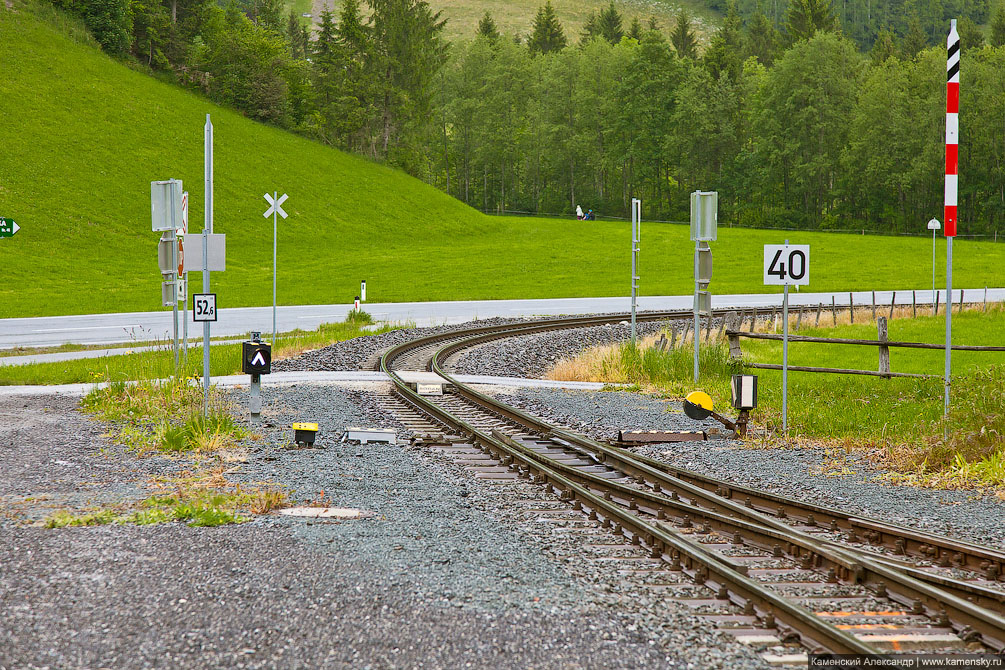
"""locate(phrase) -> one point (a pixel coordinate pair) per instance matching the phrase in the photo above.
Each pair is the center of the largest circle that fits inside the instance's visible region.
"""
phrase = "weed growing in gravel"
(62, 519)
(147, 414)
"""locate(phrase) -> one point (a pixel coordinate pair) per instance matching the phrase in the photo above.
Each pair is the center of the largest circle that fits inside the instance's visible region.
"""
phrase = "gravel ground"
(354, 354)
(805, 473)
(448, 572)
(60, 458)
(533, 355)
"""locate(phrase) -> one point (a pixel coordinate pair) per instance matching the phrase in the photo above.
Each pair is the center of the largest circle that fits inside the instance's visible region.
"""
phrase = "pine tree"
(610, 24)
(998, 26)
(547, 35)
(806, 17)
(683, 38)
(487, 27)
(884, 47)
(915, 40)
(971, 36)
(635, 30)
(724, 50)
(591, 29)
(653, 23)
(762, 39)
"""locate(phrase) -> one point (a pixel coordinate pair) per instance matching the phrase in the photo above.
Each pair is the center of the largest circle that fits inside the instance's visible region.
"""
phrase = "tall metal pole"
(206, 231)
(636, 230)
(697, 326)
(275, 233)
(785, 358)
(933, 272)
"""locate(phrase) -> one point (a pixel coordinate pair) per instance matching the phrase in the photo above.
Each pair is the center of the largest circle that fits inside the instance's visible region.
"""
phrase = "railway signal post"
(275, 208)
(952, 182)
(704, 227)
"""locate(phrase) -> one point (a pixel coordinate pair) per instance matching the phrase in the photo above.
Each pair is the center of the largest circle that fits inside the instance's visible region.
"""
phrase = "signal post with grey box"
(704, 227)
(256, 360)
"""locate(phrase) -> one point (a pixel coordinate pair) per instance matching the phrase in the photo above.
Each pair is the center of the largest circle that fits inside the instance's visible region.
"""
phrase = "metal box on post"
(704, 215)
(165, 205)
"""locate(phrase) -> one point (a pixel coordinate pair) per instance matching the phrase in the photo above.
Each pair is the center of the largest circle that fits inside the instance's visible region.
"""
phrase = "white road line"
(66, 330)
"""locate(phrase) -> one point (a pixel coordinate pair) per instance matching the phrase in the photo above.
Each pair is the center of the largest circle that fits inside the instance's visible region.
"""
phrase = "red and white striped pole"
(952, 182)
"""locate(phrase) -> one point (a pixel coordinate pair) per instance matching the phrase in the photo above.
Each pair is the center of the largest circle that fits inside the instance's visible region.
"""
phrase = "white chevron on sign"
(258, 359)
(275, 205)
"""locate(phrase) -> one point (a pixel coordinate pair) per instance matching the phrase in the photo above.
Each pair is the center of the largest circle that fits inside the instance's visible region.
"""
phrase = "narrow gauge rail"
(650, 502)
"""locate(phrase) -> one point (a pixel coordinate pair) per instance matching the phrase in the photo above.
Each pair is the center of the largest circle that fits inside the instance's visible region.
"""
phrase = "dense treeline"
(791, 121)
(824, 137)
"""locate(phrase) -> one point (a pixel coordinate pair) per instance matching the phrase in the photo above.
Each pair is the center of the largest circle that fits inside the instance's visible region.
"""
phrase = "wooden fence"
(881, 342)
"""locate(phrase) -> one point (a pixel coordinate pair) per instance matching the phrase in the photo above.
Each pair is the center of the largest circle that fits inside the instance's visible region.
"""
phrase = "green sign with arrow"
(8, 227)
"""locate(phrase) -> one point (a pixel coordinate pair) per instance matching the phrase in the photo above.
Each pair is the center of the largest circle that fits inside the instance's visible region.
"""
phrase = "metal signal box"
(256, 358)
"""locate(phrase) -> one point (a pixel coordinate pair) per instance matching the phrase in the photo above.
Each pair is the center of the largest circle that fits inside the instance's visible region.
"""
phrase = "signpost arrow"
(8, 227)
(258, 360)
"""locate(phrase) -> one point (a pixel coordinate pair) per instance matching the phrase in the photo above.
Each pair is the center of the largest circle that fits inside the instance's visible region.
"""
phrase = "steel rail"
(969, 617)
(908, 541)
(810, 629)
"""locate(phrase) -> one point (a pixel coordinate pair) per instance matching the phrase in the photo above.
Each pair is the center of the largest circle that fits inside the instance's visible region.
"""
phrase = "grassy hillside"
(83, 136)
(515, 17)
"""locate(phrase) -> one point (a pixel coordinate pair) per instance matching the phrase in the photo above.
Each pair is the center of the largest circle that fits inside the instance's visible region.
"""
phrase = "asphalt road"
(235, 322)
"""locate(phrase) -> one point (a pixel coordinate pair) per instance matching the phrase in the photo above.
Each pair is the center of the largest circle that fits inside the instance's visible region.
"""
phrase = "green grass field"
(85, 135)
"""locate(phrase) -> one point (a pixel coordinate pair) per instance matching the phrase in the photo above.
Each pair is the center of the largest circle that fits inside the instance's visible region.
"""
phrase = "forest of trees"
(800, 117)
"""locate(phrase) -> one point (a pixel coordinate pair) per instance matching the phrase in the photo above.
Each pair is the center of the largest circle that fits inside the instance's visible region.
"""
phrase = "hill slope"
(82, 138)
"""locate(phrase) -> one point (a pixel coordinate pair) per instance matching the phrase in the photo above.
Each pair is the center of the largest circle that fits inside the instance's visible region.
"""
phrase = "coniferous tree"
(653, 23)
(591, 29)
(762, 39)
(724, 50)
(635, 30)
(487, 27)
(547, 34)
(807, 17)
(610, 24)
(915, 40)
(998, 26)
(683, 38)
(884, 47)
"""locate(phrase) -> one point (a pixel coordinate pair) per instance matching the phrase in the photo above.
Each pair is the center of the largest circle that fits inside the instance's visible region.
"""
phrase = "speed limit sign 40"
(204, 307)
(787, 264)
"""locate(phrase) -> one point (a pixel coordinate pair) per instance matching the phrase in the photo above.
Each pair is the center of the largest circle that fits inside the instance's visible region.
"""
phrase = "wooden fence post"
(985, 298)
(961, 302)
(820, 307)
(884, 352)
(734, 346)
(799, 319)
(834, 310)
(914, 303)
(851, 306)
(873, 305)
(753, 320)
(938, 295)
(673, 336)
(893, 303)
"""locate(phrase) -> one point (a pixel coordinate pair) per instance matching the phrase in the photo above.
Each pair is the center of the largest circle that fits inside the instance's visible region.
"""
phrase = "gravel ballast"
(447, 572)
(809, 474)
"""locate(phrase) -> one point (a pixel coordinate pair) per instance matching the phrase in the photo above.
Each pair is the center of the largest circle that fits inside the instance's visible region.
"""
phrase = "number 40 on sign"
(787, 264)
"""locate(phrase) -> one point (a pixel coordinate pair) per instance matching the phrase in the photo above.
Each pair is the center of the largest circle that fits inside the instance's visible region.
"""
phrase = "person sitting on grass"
(579, 213)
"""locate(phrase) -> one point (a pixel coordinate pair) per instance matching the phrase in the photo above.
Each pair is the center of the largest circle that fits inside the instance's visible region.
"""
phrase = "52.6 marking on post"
(204, 307)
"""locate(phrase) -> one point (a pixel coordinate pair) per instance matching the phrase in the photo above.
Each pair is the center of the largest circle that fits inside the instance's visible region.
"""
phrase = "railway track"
(772, 571)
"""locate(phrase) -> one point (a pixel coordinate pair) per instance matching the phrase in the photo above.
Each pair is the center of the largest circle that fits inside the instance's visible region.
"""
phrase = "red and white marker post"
(952, 181)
